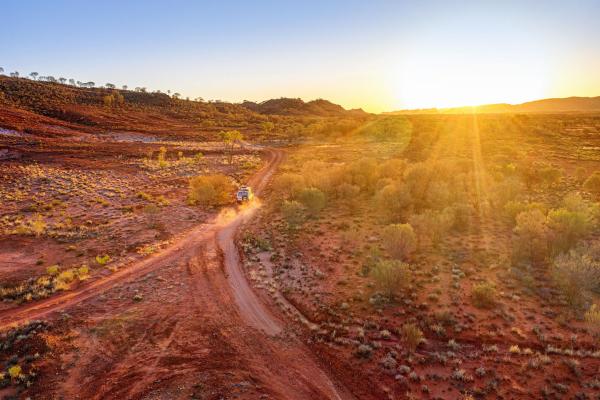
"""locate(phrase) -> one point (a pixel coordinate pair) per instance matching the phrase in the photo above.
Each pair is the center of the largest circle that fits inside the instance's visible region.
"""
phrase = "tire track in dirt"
(216, 326)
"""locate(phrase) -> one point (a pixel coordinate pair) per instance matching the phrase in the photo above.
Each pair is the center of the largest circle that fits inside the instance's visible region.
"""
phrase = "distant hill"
(556, 105)
(289, 106)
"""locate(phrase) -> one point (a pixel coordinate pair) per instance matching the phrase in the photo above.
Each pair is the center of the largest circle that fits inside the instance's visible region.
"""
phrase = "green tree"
(230, 139)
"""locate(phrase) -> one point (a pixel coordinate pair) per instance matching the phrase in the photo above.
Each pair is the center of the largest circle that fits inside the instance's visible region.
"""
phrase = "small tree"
(34, 75)
(399, 240)
(313, 199)
(230, 139)
(391, 277)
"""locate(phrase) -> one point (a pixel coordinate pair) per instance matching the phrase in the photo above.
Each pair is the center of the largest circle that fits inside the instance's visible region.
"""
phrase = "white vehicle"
(244, 194)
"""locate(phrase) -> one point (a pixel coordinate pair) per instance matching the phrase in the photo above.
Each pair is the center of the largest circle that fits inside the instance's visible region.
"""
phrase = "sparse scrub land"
(498, 230)
(433, 259)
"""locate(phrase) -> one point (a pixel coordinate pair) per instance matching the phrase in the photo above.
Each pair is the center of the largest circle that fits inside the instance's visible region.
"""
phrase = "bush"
(211, 190)
(463, 216)
(293, 213)
(348, 194)
(513, 208)
(313, 199)
(103, 260)
(431, 225)
(531, 241)
(393, 200)
(592, 318)
(52, 270)
(577, 274)
(505, 191)
(566, 228)
(399, 240)
(484, 295)
(391, 277)
(592, 184)
(413, 336)
(288, 185)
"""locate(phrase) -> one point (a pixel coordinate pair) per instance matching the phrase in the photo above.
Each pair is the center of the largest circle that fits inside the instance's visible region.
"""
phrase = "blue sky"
(379, 55)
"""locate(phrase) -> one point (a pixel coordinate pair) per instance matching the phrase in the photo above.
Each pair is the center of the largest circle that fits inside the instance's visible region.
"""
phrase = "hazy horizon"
(380, 57)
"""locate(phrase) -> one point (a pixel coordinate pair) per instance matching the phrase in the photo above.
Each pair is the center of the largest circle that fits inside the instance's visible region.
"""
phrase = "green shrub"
(577, 274)
(293, 213)
(399, 240)
(211, 190)
(592, 318)
(531, 240)
(103, 260)
(432, 225)
(288, 185)
(52, 270)
(483, 295)
(393, 200)
(391, 277)
(313, 199)
(566, 228)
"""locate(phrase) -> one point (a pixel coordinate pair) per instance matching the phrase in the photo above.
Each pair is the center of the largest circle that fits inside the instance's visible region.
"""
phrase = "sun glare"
(435, 82)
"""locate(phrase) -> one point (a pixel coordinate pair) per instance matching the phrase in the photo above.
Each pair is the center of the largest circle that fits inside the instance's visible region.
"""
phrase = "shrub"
(577, 274)
(413, 336)
(566, 228)
(83, 272)
(348, 194)
(438, 195)
(293, 213)
(531, 241)
(211, 190)
(391, 277)
(592, 184)
(592, 317)
(505, 191)
(393, 199)
(313, 199)
(483, 295)
(103, 260)
(14, 371)
(66, 276)
(550, 175)
(580, 174)
(399, 240)
(288, 185)
(513, 208)
(463, 216)
(52, 270)
(431, 225)
(38, 225)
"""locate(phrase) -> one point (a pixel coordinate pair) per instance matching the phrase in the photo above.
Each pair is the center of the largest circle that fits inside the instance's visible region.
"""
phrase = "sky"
(376, 55)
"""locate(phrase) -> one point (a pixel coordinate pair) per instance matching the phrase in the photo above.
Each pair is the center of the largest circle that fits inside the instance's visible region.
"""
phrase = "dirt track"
(200, 330)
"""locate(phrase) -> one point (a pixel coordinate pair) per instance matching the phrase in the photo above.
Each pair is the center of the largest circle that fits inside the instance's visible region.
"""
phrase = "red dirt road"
(200, 331)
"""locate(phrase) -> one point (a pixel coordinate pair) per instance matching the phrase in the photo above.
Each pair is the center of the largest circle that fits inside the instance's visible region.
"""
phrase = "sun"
(455, 83)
